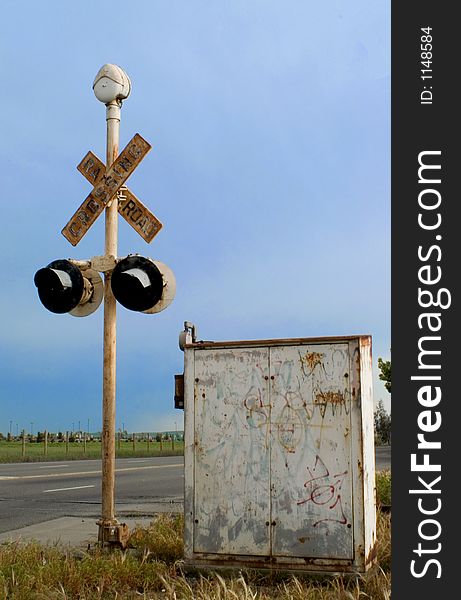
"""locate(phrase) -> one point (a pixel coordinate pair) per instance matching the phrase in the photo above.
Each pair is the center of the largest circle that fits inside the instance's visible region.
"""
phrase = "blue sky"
(270, 170)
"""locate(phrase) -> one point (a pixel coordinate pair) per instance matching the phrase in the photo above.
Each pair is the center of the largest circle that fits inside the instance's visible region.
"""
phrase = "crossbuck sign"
(108, 183)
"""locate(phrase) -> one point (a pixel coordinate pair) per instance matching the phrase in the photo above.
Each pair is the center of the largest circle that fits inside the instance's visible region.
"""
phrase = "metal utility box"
(279, 454)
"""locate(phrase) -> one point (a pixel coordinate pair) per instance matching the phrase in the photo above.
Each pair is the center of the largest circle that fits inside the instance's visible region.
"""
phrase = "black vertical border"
(416, 128)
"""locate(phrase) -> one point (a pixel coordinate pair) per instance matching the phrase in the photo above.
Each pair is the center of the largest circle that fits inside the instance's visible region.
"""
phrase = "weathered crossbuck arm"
(106, 189)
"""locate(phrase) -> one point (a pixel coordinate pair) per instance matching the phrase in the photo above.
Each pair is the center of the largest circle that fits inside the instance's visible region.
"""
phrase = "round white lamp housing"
(111, 83)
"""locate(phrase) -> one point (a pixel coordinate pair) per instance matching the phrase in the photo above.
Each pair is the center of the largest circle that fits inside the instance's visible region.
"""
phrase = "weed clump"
(383, 488)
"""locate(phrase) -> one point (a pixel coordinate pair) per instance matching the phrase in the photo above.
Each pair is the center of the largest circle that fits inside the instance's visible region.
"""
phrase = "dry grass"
(33, 572)
(162, 540)
(151, 569)
(375, 585)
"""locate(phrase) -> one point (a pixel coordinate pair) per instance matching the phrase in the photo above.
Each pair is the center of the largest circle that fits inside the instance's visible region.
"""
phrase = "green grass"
(383, 488)
(152, 569)
(12, 451)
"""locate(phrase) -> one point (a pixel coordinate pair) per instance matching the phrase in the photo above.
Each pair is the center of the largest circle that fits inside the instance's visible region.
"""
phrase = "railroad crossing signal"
(105, 188)
(138, 283)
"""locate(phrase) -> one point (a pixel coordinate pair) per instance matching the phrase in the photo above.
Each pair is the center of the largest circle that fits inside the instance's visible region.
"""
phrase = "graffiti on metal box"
(278, 418)
(324, 490)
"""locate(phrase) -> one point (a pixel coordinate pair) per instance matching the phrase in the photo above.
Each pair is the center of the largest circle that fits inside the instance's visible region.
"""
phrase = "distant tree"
(40, 437)
(385, 375)
(60, 436)
(382, 423)
(158, 437)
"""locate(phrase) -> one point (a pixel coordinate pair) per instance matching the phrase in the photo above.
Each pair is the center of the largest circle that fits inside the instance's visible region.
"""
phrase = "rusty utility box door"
(279, 454)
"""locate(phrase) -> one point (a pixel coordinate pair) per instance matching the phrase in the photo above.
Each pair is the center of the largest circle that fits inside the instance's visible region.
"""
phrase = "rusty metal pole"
(110, 333)
(110, 530)
(110, 87)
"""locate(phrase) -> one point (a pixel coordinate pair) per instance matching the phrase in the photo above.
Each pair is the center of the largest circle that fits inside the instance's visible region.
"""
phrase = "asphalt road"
(383, 457)
(31, 493)
(34, 492)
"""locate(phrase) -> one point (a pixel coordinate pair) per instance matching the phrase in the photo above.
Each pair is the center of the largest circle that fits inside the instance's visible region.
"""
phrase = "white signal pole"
(111, 86)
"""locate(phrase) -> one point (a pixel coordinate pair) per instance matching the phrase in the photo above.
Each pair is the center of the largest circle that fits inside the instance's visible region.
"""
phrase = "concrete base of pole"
(113, 534)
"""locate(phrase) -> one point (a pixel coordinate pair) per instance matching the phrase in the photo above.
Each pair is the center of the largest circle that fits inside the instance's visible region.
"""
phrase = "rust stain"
(372, 555)
(329, 397)
(312, 359)
(206, 561)
(365, 341)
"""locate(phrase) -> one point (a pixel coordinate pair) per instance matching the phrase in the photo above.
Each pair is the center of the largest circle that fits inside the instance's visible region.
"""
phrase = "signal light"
(142, 284)
(138, 283)
(63, 287)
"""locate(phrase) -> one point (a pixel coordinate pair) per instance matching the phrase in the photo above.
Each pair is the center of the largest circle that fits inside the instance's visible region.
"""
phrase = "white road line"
(54, 467)
(79, 487)
(42, 475)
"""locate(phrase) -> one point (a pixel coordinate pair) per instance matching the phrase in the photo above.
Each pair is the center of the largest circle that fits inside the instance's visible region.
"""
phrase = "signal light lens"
(60, 286)
(137, 283)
